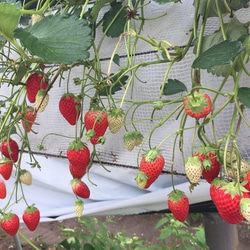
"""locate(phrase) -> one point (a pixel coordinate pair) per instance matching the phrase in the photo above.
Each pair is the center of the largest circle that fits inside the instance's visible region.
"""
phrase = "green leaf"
(60, 38)
(234, 5)
(173, 86)
(220, 54)
(117, 26)
(166, 1)
(9, 18)
(98, 5)
(234, 30)
(113, 88)
(244, 96)
(117, 59)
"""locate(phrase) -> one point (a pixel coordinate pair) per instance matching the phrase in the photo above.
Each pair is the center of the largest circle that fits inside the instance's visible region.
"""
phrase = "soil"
(48, 234)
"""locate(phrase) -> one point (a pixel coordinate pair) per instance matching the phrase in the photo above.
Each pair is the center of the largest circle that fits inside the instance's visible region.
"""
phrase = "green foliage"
(167, 1)
(220, 54)
(174, 86)
(114, 27)
(93, 234)
(106, 89)
(244, 96)
(213, 12)
(51, 39)
(9, 18)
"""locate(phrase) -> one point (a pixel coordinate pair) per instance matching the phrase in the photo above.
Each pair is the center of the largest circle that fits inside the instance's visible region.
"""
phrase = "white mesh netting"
(174, 27)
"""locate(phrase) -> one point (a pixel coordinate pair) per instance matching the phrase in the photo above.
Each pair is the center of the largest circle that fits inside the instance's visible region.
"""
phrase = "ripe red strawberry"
(6, 166)
(77, 171)
(78, 207)
(246, 181)
(215, 186)
(78, 154)
(31, 217)
(210, 165)
(70, 108)
(116, 120)
(2, 189)
(193, 169)
(10, 223)
(227, 201)
(9, 148)
(152, 164)
(28, 118)
(42, 100)
(35, 82)
(96, 122)
(80, 188)
(197, 105)
(178, 204)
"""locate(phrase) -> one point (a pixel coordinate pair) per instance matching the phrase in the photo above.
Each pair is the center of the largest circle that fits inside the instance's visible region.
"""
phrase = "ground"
(48, 234)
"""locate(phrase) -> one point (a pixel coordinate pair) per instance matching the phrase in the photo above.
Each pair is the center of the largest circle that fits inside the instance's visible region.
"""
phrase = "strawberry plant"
(178, 109)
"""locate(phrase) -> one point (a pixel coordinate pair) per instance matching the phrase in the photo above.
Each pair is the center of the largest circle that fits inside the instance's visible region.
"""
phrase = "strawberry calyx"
(197, 102)
(194, 161)
(234, 188)
(31, 209)
(217, 182)
(78, 202)
(8, 216)
(5, 160)
(176, 195)
(77, 144)
(128, 136)
(151, 155)
(74, 182)
(41, 93)
(116, 112)
(90, 134)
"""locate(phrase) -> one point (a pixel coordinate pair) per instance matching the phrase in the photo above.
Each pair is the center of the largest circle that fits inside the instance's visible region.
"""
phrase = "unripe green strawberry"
(193, 169)
(42, 100)
(138, 138)
(129, 140)
(36, 18)
(245, 208)
(235, 168)
(115, 120)
(25, 177)
(141, 180)
(78, 207)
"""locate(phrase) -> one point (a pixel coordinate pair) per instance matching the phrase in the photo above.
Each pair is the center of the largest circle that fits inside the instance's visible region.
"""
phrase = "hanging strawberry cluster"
(40, 67)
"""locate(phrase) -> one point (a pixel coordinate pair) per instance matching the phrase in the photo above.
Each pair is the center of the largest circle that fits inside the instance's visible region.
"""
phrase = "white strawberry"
(193, 169)
(25, 177)
(245, 208)
(78, 207)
